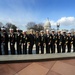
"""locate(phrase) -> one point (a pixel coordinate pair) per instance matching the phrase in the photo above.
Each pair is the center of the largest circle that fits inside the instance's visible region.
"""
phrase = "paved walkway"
(50, 67)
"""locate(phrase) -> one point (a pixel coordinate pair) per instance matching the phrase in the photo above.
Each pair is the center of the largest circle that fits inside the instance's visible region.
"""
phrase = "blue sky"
(20, 12)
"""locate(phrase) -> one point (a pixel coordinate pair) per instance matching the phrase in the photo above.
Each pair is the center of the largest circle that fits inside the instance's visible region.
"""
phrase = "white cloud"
(64, 21)
(67, 21)
(53, 23)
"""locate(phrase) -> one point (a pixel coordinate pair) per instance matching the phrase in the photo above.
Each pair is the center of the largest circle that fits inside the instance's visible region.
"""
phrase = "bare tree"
(30, 25)
(34, 26)
(10, 25)
(40, 26)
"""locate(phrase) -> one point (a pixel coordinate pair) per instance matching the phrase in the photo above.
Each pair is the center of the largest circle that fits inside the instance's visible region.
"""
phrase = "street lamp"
(58, 25)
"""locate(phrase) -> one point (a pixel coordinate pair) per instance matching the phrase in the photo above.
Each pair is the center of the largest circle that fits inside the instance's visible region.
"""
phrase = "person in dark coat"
(30, 41)
(42, 41)
(24, 41)
(64, 36)
(37, 42)
(4, 41)
(48, 41)
(19, 41)
(53, 41)
(69, 41)
(59, 41)
(12, 41)
(0, 42)
(73, 39)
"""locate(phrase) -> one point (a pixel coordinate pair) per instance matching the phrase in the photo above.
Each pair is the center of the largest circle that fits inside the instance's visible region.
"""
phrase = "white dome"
(47, 25)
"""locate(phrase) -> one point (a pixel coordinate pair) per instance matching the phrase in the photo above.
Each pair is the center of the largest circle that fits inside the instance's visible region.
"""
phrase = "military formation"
(49, 40)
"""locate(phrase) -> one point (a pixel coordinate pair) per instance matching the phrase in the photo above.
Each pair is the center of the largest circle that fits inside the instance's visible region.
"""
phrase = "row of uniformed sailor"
(21, 42)
(40, 40)
(65, 40)
(47, 40)
(19, 38)
(61, 40)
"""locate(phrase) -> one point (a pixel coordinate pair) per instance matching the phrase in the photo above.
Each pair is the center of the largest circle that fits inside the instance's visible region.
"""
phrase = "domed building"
(47, 25)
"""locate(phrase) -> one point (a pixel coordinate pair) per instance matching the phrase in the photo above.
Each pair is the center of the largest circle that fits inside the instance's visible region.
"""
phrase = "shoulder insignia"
(67, 38)
(26, 38)
(50, 37)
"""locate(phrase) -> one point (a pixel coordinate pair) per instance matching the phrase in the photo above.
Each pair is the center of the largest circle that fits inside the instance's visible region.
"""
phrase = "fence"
(33, 51)
(34, 56)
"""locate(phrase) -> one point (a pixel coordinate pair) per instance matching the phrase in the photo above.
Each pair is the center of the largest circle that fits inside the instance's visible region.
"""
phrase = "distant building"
(47, 25)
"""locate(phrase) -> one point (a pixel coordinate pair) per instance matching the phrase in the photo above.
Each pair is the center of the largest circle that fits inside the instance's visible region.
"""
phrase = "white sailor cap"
(36, 31)
(59, 30)
(2, 28)
(24, 31)
(17, 28)
(10, 29)
(63, 31)
(47, 30)
(41, 31)
(69, 32)
(31, 30)
(53, 30)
